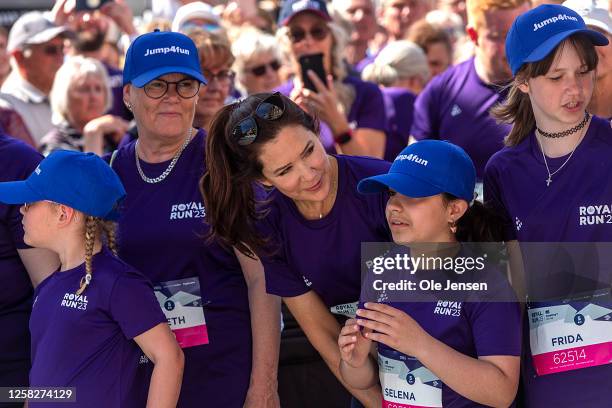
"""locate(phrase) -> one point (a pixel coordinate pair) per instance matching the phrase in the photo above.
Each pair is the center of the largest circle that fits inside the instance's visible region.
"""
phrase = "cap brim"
(47, 35)
(402, 183)
(547, 46)
(18, 192)
(321, 14)
(143, 79)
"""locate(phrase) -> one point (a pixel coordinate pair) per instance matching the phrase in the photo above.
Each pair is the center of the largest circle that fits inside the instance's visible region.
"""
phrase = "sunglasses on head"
(271, 108)
(317, 33)
(260, 70)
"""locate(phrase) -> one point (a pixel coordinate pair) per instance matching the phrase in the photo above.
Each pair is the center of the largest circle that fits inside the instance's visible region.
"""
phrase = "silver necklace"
(170, 166)
(549, 179)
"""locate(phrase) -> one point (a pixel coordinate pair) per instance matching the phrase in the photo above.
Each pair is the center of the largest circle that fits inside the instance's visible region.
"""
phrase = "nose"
(393, 204)
(573, 85)
(358, 16)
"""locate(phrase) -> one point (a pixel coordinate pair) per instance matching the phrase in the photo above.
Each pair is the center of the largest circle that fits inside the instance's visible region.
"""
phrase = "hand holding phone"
(83, 5)
(314, 63)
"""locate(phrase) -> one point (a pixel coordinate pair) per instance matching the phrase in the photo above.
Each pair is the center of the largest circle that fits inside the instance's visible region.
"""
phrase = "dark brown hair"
(516, 109)
(232, 171)
(478, 224)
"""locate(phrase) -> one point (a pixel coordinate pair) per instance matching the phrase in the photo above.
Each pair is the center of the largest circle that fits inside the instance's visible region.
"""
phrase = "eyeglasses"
(271, 108)
(317, 33)
(224, 77)
(260, 70)
(28, 206)
(185, 88)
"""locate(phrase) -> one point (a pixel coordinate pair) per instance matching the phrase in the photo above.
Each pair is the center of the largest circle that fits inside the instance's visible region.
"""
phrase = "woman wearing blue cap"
(85, 312)
(215, 301)
(547, 185)
(433, 352)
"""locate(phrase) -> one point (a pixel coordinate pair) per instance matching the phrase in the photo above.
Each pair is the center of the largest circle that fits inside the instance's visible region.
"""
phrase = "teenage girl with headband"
(93, 319)
(426, 358)
(556, 166)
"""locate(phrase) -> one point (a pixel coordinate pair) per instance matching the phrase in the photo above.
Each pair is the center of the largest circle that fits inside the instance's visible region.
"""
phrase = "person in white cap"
(597, 17)
(196, 14)
(36, 47)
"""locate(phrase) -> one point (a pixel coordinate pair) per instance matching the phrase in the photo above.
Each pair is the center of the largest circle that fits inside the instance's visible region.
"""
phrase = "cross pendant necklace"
(548, 181)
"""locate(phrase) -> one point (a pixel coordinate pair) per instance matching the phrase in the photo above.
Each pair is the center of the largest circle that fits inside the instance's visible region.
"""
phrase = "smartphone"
(314, 63)
(82, 5)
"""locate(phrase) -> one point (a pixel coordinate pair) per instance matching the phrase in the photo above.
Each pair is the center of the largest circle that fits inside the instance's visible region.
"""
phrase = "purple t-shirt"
(367, 60)
(18, 162)
(399, 108)
(162, 232)
(85, 341)
(455, 106)
(367, 110)
(575, 207)
(476, 324)
(325, 255)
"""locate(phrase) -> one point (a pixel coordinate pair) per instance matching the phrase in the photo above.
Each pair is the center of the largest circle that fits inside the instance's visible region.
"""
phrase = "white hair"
(398, 60)
(251, 43)
(71, 70)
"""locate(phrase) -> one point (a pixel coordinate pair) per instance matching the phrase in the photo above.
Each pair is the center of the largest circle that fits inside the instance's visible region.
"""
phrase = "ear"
(473, 34)
(65, 215)
(127, 91)
(265, 182)
(456, 209)
(523, 86)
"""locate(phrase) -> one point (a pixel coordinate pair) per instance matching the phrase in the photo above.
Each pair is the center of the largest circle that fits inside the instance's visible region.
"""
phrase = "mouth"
(316, 186)
(397, 223)
(572, 106)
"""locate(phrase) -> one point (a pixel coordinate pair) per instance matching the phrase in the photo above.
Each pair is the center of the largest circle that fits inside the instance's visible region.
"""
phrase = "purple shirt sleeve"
(368, 110)
(133, 305)
(425, 121)
(493, 197)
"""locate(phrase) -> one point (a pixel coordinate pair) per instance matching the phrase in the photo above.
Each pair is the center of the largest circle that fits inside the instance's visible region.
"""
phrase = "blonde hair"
(346, 93)
(212, 47)
(93, 227)
(476, 9)
(251, 43)
(398, 60)
(72, 69)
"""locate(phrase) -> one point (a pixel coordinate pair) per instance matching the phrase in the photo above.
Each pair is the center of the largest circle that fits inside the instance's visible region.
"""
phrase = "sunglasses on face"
(186, 88)
(317, 33)
(260, 70)
(271, 108)
(223, 77)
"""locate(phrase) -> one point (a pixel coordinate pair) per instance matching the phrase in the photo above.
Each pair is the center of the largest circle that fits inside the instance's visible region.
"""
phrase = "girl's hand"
(393, 328)
(354, 348)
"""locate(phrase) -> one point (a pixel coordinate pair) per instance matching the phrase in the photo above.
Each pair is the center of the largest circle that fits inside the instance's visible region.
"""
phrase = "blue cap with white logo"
(82, 181)
(292, 8)
(536, 33)
(159, 53)
(427, 168)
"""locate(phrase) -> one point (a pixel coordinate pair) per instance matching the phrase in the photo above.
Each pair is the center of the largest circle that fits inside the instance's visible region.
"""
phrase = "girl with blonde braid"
(95, 323)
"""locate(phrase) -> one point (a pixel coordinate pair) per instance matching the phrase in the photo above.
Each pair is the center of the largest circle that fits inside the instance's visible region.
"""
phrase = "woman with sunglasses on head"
(351, 111)
(215, 301)
(257, 62)
(85, 311)
(542, 183)
(309, 233)
(435, 348)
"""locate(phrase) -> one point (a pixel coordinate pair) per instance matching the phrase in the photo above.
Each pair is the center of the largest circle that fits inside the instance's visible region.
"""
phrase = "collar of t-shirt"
(17, 86)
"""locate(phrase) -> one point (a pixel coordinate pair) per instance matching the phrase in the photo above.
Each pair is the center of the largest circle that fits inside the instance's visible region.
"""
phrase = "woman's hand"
(354, 347)
(324, 102)
(95, 129)
(393, 328)
(121, 14)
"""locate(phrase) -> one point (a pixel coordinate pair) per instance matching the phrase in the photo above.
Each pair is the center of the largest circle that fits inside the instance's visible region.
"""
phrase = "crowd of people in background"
(255, 144)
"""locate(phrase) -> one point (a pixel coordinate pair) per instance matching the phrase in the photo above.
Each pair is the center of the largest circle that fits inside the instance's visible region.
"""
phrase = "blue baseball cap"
(159, 53)
(427, 168)
(82, 181)
(292, 8)
(536, 33)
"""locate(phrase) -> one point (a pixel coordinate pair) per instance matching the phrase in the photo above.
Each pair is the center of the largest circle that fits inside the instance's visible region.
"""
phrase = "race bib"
(347, 309)
(406, 383)
(569, 336)
(181, 303)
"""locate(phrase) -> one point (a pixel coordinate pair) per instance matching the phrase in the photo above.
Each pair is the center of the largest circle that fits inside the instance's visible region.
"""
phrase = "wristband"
(344, 137)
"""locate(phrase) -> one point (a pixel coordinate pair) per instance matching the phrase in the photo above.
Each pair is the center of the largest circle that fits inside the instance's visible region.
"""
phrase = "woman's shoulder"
(509, 156)
(18, 158)
(360, 167)
(361, 86)
(603, 130)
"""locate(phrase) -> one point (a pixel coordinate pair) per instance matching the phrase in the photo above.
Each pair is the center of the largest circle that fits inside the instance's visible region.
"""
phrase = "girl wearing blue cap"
(435, 352)
(96, 312)
(547, 186)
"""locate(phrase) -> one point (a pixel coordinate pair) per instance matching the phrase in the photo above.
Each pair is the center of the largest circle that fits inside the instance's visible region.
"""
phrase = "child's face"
(418, 220)
(38, 223)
